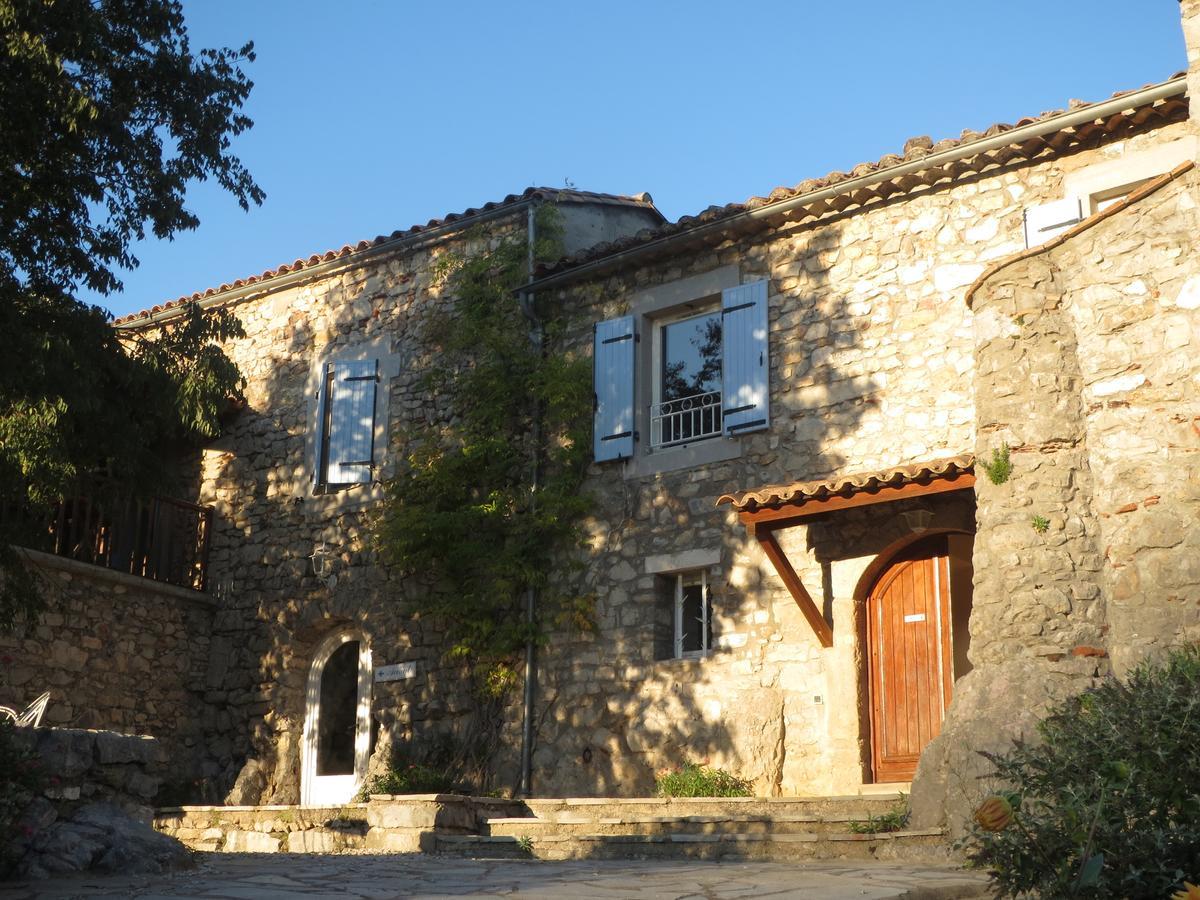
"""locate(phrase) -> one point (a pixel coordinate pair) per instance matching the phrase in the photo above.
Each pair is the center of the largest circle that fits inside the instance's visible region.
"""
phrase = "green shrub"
(999, 467)
(893, 820)
(1107, 804)
(414, 778)
(695, 780)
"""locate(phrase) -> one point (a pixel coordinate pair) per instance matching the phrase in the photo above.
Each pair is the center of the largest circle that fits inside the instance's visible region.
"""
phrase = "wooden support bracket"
(766, 537)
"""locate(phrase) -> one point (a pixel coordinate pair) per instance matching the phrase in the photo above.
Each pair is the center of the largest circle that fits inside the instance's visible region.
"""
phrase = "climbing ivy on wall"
(463, 518)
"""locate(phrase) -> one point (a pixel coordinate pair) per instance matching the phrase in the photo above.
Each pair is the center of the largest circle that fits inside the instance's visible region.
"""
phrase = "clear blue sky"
(372, 116)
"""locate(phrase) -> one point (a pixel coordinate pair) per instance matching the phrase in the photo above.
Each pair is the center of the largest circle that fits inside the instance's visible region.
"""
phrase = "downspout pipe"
(526, 300)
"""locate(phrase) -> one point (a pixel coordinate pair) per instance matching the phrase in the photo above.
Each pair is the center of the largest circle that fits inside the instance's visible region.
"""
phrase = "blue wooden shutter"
(321, 438)
(612, 362)
(746, 381)
(352, 421)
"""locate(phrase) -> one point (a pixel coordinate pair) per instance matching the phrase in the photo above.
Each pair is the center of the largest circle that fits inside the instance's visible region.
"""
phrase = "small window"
(687, 385)
(693, 615)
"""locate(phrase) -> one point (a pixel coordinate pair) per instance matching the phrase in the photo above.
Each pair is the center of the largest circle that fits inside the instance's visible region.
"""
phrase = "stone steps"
(634, 825)
(908, 845)
(848, 808)
(780, 828)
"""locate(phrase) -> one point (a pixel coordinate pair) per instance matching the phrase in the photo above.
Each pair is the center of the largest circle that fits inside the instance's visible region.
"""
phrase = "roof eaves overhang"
(324, 269)
(751, 218)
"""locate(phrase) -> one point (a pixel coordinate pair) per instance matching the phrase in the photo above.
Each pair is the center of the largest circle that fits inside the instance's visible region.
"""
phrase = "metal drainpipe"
(531, 595)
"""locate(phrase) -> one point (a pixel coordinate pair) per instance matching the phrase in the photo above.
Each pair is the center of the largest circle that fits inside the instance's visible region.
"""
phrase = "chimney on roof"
(1189, 10)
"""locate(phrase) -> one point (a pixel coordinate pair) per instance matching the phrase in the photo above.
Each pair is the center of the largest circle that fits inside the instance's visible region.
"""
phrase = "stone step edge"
(537, 801)
(663, 801)
(232, 810)
(676, 838)
(666, 820)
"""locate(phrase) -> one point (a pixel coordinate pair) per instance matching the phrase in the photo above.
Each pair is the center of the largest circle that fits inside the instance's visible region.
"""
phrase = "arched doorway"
(918, 604)
(337, 720)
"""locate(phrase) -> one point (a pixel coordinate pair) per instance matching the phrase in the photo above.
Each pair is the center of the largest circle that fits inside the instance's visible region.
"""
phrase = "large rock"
(993, 704)
(102, 837)
(248, 788)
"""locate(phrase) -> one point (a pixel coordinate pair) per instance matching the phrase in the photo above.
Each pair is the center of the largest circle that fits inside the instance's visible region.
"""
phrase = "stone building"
(804, 572)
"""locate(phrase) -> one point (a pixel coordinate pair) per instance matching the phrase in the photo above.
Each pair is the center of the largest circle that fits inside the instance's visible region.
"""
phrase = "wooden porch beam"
(784, 515)
(791, 580)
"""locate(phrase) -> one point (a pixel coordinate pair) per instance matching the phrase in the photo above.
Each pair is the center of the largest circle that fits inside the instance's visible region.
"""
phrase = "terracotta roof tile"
(1160, 112)
(569, 195)
(802, 491)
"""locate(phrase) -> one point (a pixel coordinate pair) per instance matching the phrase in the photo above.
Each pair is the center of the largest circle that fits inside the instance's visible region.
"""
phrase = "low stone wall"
(122, 653)
(95, 807)
(398, 824)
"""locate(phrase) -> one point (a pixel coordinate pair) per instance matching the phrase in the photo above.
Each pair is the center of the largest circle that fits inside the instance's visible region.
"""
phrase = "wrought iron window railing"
(158, 538)
(685, 419)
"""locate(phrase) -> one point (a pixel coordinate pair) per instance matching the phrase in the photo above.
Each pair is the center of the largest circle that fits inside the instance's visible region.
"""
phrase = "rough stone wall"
(872, 364)
(1088, 367)
(119, 653)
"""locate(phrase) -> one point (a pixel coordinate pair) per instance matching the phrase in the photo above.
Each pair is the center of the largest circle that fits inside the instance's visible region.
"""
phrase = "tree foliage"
(463, 514)
(106, 116)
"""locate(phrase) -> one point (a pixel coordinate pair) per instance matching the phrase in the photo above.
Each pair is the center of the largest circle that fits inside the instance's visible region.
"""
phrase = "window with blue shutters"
(346, 416)
(704, 375)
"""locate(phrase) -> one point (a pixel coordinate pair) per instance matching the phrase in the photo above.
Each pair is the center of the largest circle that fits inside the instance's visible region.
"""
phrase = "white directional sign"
(397, 672)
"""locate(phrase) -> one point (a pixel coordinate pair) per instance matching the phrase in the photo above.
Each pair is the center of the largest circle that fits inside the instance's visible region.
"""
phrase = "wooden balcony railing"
(160, 538)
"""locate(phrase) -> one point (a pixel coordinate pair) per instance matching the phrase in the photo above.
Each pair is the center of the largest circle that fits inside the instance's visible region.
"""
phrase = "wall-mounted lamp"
(917, 519)
(322, 561)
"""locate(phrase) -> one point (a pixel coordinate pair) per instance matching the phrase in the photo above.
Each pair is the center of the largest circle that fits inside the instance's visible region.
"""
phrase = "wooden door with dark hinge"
(911, 658)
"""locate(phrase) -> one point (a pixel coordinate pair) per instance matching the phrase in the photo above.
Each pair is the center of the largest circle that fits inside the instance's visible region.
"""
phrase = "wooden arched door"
(909, 629)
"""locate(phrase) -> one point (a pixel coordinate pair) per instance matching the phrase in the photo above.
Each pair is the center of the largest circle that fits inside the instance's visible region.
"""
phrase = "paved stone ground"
(376, 877)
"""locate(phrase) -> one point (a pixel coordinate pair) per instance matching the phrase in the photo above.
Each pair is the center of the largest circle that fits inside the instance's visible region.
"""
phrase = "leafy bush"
(414, 778)
(892, 820)
(696, 780)
(1107, 804)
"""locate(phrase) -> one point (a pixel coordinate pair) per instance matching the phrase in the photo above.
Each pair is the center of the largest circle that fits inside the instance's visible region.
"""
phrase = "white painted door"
(337, 721)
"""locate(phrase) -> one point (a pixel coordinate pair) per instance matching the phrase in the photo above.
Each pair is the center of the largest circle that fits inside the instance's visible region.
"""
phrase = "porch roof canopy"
(769, 508)
(780, 504)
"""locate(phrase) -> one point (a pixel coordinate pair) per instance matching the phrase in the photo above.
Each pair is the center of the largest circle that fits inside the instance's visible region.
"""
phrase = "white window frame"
(703, 307)
(689, 579)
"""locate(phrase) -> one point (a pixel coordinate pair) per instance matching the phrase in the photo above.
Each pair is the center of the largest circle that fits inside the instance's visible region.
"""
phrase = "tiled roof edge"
(803, 491)
(916, 151)
(511, 201)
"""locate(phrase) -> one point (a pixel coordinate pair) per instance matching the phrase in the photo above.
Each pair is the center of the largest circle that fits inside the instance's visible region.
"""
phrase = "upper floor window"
(708, 376)
(687, 383)
(346, 418)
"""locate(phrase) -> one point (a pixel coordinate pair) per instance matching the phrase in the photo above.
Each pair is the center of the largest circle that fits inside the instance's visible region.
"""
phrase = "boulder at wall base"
(248, 788)
(993, 704)
(102, 837)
